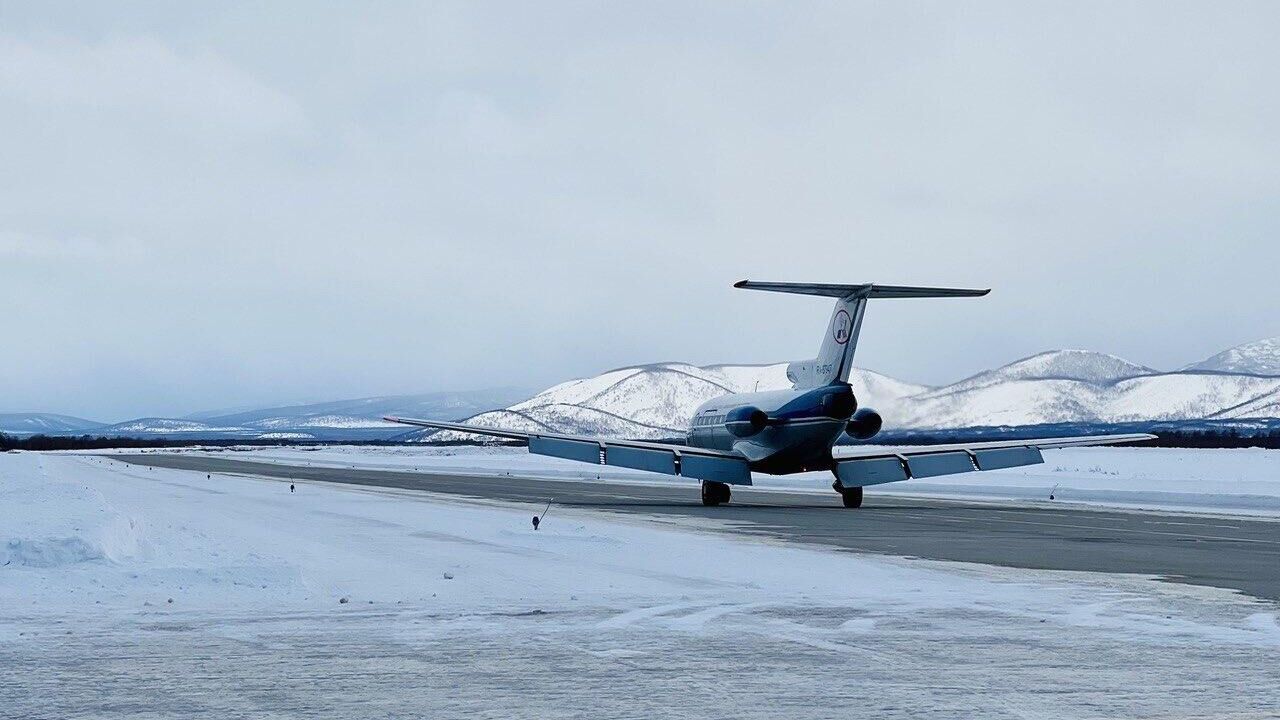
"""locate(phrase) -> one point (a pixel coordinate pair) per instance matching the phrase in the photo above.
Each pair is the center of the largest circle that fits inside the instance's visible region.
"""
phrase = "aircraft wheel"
(851, 497)
(714, 493)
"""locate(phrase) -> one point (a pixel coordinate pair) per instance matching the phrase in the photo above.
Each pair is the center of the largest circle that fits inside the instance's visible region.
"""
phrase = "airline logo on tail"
(840, 327)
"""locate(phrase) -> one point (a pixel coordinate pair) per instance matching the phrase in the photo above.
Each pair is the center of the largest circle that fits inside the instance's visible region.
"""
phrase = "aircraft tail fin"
(835, 357)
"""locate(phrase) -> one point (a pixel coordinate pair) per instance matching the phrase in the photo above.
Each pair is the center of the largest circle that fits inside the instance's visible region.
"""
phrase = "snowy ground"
(1232, 481)
(132, 592)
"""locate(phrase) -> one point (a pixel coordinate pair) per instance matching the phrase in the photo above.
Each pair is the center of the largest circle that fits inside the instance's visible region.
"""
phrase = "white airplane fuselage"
(779, 432)
(795, 430)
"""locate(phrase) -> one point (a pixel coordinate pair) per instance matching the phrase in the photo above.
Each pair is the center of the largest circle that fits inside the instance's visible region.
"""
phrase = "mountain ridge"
(352, 419)
(1260, 357)
(656, 400)
(1058, 386)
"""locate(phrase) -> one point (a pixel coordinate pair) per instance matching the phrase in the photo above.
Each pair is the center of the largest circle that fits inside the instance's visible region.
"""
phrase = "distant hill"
(1060, 387)
(1063, 387)
(368, 412)
(356, 419)
(33, 423)
(1261, 357)
(1082, 365)
(656, 401)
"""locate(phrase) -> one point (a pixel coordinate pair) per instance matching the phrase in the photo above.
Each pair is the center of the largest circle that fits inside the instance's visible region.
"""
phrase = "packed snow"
(127, 591)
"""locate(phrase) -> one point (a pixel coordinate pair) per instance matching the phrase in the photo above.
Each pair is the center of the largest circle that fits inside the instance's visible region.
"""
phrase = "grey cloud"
(238, 205)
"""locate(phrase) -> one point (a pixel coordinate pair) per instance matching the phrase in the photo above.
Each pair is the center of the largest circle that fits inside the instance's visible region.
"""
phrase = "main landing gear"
(851, 497)
(714, 493)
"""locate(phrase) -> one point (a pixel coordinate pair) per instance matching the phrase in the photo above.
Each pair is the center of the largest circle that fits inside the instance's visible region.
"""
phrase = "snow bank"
(245, 542)
(232, 595)
(49, 552)
(48, 522)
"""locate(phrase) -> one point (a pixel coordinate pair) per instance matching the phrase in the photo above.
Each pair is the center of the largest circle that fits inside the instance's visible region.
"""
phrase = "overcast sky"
(214, 206)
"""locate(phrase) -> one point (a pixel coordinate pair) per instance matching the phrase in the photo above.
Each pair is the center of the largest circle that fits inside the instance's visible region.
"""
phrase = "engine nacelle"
(864, 424)
(745, 421)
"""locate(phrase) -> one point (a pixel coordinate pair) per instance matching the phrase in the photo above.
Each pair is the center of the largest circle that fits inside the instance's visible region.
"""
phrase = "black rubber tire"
(851, 497)
(708, 495)
(714, 493)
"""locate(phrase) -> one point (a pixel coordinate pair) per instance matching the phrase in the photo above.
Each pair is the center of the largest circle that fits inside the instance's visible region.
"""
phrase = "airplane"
(789, 431)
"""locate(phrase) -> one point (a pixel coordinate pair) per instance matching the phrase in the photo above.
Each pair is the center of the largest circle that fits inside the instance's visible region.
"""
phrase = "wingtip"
(391, 418)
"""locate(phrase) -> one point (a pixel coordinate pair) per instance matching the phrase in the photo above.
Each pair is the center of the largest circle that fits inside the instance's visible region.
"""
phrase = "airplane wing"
(861, 465)
(690, 462)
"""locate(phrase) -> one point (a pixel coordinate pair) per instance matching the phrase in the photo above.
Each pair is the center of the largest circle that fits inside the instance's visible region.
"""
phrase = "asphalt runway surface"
(1226, 552)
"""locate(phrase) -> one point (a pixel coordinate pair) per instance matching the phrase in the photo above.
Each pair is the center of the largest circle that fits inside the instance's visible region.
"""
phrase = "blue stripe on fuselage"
(800, 432)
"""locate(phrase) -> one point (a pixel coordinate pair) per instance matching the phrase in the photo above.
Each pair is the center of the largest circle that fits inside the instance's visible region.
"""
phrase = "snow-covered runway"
(461, 609)
(1239, 480)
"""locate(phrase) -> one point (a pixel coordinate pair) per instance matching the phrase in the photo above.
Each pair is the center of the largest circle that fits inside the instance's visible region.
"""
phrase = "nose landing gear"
(714, 493)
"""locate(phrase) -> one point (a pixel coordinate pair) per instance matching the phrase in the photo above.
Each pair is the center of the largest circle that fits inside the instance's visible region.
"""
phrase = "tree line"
(1224, 437)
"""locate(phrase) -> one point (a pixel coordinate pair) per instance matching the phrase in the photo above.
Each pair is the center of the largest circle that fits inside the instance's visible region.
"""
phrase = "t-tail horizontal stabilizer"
(835, 356)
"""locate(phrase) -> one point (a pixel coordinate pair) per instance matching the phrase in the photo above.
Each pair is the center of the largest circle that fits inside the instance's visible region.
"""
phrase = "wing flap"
(847, 452)
(922, 466)
(872, 465)
(872, 471)
(733, 471)
(659, 461)
(580, 450)
(1000, 458)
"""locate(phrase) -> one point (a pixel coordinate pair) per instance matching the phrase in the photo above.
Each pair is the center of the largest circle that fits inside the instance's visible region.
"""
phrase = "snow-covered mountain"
(365, 414)
(1064, 386)
(656, 401)
(165, 426)
(1081, 365)
(1261, 357)
(358, 419)
(1033, 401)
(34, 423)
